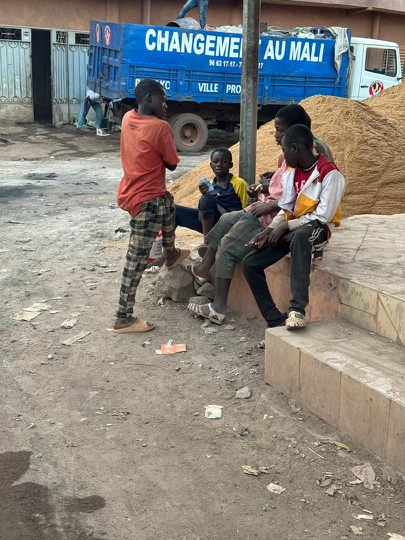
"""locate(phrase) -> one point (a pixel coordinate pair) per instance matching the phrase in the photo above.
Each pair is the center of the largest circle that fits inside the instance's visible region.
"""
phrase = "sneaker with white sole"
(295, 321)
(102, 133)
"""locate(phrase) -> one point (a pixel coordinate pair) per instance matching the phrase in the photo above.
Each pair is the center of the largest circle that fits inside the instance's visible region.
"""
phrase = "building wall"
(69, 14)
(76, 14)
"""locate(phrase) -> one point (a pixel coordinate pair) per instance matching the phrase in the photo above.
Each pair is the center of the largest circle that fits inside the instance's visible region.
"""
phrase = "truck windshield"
(382, 61)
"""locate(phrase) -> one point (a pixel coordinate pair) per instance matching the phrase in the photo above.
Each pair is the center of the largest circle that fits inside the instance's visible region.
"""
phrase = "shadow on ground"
(27, 511)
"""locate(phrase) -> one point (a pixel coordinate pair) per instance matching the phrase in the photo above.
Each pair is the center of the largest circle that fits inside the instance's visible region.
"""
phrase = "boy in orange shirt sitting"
(147, 150)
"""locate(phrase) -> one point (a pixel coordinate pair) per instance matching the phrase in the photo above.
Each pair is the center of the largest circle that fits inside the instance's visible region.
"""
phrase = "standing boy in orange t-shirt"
(147, 150)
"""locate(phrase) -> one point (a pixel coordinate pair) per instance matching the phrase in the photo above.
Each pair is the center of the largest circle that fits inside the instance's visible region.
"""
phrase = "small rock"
(294, 408)
(207, 290)
(176, 284)
(275, 488)
(211, 330)
(357, 531)
(69, 323)
(229, 327)
(243, 393)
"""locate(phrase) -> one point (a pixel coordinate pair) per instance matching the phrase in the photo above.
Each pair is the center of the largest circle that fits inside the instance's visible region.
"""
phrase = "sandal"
(295, 320)
(183, 254)
(213, 316)
(189, 267)
(138, 327)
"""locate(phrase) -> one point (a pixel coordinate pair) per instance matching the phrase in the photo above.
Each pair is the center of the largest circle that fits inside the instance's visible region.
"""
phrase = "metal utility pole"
(250, 80)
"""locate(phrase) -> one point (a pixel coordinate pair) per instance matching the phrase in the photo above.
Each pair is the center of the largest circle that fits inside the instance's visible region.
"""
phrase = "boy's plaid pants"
(154, 216)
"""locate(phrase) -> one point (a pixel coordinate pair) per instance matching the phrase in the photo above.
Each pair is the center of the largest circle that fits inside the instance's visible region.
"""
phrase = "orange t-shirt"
(147, 143)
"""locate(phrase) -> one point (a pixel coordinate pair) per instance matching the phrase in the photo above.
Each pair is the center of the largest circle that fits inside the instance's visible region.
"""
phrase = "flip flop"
(213, 316)
(138, 327)
(184, 253)
(189, 267)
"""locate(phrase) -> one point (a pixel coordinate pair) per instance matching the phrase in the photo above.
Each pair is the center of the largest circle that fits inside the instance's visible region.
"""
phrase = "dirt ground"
(105, 439)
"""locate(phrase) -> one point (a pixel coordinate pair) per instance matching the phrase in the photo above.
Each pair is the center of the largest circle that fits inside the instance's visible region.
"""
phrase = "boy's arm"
(170, 167)
(322, 148)
(333, 186)
(278, 220)
(262, 208)
(241, 189)
(168, 148)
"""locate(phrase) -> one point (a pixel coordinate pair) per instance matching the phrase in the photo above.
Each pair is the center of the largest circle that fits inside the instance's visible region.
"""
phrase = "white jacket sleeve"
(279, 218)
(331, 195)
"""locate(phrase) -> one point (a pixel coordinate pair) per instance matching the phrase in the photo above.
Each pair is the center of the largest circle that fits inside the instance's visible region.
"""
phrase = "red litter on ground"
(172, 348)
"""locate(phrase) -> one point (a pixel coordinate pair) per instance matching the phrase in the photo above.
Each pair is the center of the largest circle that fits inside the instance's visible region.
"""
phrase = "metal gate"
(15, 75)
(78, 57)
(69, 58)
(60, 77)
(69, 73)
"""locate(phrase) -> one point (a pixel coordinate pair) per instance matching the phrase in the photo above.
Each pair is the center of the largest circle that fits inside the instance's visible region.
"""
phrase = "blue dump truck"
(201, 71)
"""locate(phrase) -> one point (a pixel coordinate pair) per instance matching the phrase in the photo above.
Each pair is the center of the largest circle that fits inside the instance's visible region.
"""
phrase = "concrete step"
(350, 378)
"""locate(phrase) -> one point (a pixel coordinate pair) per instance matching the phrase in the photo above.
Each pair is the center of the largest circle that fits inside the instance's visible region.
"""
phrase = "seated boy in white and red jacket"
(312, 193)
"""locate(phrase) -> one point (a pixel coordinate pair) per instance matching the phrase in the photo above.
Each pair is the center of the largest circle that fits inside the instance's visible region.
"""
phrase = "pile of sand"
(186, 190)
(367, 146)
(391, 103)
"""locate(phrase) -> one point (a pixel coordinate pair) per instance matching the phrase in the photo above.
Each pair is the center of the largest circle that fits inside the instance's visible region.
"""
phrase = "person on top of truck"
(147, 150)
(312, 194)
(202, 6)
(228, 240)
(225, 193)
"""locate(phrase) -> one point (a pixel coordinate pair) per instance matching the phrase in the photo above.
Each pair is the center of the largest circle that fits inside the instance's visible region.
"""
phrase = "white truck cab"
(376, 66)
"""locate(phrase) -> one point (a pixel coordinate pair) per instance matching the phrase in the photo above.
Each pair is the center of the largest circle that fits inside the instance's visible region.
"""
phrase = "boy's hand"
(261, 208)
(265, 179)
(204, 189)
(260, 240)
(253, 192)
(277, 233)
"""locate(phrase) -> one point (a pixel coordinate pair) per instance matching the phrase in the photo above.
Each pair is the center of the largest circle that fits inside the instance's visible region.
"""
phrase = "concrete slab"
(361, 279)
(348, 377)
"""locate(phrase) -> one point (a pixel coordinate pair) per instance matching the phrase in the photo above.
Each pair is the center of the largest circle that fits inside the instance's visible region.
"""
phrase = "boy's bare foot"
(175, 256)
(202, 250)
(191, 269)
(132, 325)
(208, 312)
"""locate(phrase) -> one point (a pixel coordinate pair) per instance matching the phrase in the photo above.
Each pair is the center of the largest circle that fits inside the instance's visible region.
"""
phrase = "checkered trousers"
(154, 216)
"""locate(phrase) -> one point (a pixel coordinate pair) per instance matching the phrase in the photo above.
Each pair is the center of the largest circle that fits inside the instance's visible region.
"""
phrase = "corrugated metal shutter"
(15, 72)
(69, 61)
(78, 56)
(60, 76)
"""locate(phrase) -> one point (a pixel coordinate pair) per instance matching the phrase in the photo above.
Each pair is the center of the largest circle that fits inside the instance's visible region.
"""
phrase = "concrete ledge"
(331, 297)
(351, 379)
(356, 281)
(324, 296)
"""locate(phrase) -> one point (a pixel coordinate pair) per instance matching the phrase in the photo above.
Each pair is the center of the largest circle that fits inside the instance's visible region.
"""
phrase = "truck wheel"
(190, 132)
(173, 118)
